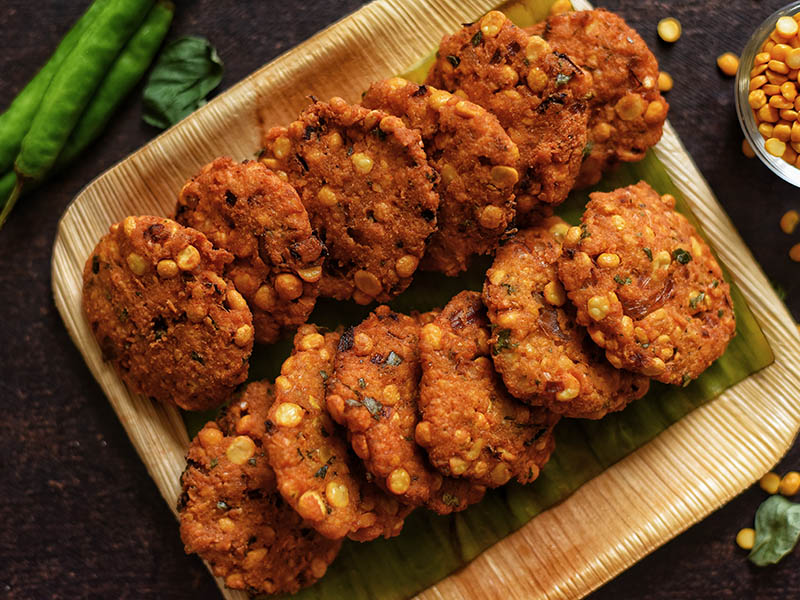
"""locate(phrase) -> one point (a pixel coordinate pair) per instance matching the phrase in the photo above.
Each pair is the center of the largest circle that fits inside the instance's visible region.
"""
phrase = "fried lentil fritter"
(365, 181)
(647, 286)
(471, 427)
(374, 393)
(476, 162)
(538, 94)
(232, 515)
(316, 473)
(246, 209)
(627, 111)
(174, 329)
(544, 356)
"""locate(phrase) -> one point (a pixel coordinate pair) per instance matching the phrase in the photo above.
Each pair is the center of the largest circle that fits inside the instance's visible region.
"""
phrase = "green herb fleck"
(649, 253)
(451, 500)
(477, 38)
(621, 281)
(697, 300)
(197, 357)
(324, 375)
(681, 256)
(503, 341)
(453, 60)
(585, 231)
(361, 383)
(214, 462)
(510, 289)
(587, 149)
(562, 79)
(222, 505)
(320, 474)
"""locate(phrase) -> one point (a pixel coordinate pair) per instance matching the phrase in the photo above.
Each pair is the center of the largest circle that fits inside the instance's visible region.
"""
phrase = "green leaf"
(187, 70)
(777, 530)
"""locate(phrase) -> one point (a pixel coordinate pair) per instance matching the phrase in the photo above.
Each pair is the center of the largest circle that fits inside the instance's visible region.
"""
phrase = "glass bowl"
(747, 120)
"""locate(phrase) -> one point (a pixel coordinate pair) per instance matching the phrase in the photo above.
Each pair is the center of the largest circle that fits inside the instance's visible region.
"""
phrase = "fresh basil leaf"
(187, 70)
(777, 530)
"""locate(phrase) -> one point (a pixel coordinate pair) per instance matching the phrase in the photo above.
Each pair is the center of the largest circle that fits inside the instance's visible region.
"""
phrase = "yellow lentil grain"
(560, 6)
(786, 27)
(746, 538)
(789, 221)
(790, 483)
(747, 150)
(775, 147)
(779, 51)
(794, 253)
(793, 58)
(669, 29)
(728, 63)
(765, 129)
(770, 483)
(782, 131)
(665, 81)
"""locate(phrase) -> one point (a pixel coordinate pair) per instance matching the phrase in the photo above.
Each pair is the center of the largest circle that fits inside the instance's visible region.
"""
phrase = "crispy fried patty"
(249, 211)
(647, 286)
(365, 181)
(163, 315)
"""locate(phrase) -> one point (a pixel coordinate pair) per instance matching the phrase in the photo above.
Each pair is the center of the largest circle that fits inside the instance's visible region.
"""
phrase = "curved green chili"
(73, 85)
(126, 71)
(16, 120)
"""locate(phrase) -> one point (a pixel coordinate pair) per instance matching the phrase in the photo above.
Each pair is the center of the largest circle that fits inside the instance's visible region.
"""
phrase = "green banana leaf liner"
(431, 547)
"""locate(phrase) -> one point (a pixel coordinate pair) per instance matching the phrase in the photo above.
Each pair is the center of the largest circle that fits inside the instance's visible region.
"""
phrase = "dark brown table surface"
(79, 515)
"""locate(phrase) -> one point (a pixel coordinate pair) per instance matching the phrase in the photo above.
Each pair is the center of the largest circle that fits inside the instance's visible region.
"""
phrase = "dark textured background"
(79, 516)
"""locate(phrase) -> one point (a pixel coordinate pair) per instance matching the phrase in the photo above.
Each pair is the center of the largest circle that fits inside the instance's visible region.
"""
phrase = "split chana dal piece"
(249, 211)
(163, 314)
(476, 162)
(374, 393)
(538, 94)
(317, 475)
(647, 286)
(543, 355)
(364, 179)
(471, 426)
(230, 511)
(626, 109)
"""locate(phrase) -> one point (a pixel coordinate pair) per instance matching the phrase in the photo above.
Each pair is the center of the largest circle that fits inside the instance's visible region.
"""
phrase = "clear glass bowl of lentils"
(768, 92)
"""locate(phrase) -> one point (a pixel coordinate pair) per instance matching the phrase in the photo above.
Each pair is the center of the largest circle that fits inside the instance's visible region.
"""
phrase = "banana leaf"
(431, 546)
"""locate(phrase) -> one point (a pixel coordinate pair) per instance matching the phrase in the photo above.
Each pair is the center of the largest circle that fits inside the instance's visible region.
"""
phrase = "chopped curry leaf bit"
(196, 357)
(621, 281)
(477, 38)
(503, 341)
(562, 79)
(585, 231)
(222, 505)
(453, 60)
(361, 383)
(681, 256)
(697, 300)
(322, 472)
(510, 289)
(587, 149)
(214, 462)
(649, 253)
(450, 499)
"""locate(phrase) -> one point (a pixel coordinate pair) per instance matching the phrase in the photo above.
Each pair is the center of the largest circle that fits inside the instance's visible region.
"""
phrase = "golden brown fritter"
(317, 474)
(249, 211)
(538, 95)
(627, 111)
(476, 162)
(232, 515)
(647, 286)
(365, 181)
(544, 356)
(374, 393)
(174, 329)
(471, 427)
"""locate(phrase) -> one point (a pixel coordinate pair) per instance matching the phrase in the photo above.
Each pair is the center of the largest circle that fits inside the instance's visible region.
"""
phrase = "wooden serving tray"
(689, 470)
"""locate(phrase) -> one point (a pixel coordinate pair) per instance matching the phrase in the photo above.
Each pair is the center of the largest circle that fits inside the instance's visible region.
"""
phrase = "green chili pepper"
(73, 85)
(126, 71)
(16, 120)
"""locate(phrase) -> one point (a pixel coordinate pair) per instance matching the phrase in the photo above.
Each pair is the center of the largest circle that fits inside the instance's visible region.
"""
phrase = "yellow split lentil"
(728, 63)
(669, 29)
(770, 482)
(774, 90)
(746, 538)
(789, 221)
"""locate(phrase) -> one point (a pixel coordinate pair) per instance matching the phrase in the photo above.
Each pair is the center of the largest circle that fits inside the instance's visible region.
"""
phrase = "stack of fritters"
(365, 424)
